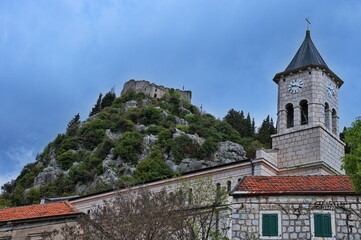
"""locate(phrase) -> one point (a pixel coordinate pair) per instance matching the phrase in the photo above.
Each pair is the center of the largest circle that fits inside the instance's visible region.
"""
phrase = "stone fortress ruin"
(152, 90)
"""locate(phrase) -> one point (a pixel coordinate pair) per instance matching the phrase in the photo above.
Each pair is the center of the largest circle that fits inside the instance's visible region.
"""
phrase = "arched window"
(229, 186)
(289, 110)
(190, 196)
(218, 193)
(334, 121)
(327, 115)
(304, 112)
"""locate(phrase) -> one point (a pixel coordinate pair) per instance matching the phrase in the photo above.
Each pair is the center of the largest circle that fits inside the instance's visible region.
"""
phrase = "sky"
(57, 56)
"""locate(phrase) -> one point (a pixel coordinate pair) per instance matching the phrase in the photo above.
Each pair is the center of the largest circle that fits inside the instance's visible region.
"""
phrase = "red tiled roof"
(36, 211)
(295, 185)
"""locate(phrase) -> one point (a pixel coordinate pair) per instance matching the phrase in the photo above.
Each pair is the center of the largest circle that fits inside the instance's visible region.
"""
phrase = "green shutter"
(269, 225)
(327, 229)
(322, 225)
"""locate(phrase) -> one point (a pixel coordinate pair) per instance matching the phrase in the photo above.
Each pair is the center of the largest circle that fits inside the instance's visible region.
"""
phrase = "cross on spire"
(308, 22)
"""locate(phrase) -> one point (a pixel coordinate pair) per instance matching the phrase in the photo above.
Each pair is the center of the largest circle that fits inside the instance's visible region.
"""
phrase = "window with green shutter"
(270, 225)
(322, 225)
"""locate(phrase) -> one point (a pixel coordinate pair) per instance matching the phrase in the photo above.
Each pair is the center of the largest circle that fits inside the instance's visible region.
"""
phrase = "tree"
(97, 106)
(245, 126)
(177, 213)
(108, 99)
(342, 138)
(352, 160)
(73, 125)
(265, 131)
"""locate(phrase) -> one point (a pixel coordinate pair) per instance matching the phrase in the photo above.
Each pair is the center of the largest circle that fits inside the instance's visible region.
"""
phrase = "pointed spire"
(307, 54)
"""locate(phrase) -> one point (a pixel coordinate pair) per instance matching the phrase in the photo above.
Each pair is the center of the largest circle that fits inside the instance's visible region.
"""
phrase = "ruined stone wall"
(296, 216)
(152, 90)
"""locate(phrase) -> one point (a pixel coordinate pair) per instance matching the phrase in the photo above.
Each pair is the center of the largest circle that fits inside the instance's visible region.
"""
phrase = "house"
(296, 207)
(36, 222)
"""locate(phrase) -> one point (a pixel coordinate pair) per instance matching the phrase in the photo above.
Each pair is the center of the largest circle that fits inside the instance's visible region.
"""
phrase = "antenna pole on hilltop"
(308, 23)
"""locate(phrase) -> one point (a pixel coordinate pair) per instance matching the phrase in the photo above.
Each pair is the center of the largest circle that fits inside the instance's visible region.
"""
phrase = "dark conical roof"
(307, 54)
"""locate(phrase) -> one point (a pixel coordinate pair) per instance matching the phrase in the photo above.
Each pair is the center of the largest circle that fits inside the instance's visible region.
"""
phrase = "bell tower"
(307, 136)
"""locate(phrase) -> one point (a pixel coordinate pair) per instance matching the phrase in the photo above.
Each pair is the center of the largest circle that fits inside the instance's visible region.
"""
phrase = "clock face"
(330, 89)
(295, 86)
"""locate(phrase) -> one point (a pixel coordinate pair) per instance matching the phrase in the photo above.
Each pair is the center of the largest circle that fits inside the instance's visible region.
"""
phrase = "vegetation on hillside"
(80, 151)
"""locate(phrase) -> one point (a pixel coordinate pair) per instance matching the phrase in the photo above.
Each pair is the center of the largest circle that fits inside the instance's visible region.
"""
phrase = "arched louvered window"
(304, 112)
(334, 121)
(290, 115)
(327, 115)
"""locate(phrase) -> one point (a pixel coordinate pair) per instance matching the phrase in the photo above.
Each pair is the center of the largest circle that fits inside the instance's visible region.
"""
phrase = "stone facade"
(317, 140)
(152, 90)
(296, 215)
(308, 145)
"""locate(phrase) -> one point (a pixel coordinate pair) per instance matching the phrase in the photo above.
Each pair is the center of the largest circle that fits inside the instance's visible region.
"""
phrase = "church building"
(297, 189)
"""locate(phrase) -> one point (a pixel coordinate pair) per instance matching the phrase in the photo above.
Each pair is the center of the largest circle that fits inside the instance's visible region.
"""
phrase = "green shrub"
(133, 114)
(182, 127)
(128, 146)
(151, 115)
(153, 167)
(33, 196)
(81, 173)
(103, 149)
(164, 136)
(209, 147)
(123, 125)
(153, 129)
(182, 146)
(62, 186)
(67, 159)
(128, 97)
(125, 181)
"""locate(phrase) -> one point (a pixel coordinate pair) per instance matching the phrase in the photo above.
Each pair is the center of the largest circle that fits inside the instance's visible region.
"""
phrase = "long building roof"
(37, 211)
(259, 185)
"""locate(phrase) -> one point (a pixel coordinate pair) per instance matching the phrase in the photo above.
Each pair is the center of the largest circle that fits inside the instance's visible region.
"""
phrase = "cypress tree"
(73, 125)
(97, 106)
(107, 100)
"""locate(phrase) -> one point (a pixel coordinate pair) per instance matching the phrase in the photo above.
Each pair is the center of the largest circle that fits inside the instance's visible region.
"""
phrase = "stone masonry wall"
(152, 90)
(308, 145)
(314, 91)
(296, 215)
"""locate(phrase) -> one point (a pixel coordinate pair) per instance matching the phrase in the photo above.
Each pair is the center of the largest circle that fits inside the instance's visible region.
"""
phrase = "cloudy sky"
(56, 56)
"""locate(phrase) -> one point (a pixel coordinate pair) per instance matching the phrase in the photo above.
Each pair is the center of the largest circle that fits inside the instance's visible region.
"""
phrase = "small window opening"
(218, 192)
(155, 95)
(309, 72)
(229, 186)
(289, 110)
(334, 121)
(304, 112)
(327, 115)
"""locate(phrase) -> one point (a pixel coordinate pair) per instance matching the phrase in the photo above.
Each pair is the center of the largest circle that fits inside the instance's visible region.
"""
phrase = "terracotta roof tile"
(36, 211)
(295, 185)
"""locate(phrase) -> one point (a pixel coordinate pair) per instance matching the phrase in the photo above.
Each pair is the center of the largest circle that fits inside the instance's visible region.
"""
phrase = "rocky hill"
(128, 139)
